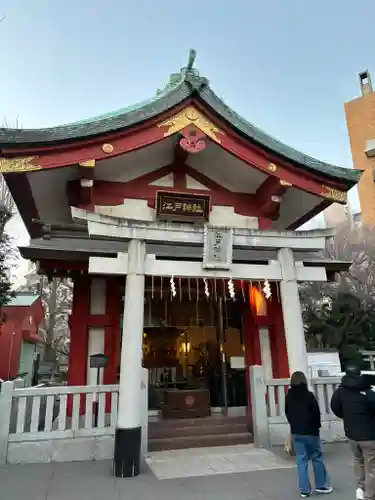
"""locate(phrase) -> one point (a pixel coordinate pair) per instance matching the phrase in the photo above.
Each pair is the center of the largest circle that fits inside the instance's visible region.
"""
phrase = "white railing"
(63, 412)
(276, 389)
(323, 388)
(66, 423)
(270, 425)
(369, 356)
(45, 415)
(275, 394)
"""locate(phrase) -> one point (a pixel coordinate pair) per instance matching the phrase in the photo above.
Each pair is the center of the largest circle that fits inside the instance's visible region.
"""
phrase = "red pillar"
(112, 333)
(78, 348)
(78, 323)
(112, 330)
(280, 365)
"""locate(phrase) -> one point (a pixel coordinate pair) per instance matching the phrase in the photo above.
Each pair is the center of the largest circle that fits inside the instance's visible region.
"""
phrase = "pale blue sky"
(287, 66)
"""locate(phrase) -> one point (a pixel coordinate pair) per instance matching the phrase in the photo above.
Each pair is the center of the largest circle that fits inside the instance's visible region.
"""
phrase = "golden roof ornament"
(335, 195)
(18, 164)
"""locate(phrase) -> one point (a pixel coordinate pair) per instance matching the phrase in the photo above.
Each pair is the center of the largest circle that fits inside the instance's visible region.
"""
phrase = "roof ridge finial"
(192, 55)
(187, 73)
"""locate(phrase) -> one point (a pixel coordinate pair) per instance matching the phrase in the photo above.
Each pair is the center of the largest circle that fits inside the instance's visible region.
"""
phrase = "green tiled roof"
(22, 300)
(187, 83)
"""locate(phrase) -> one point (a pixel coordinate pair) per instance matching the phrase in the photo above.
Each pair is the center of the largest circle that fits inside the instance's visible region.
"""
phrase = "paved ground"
(218, 460)
(93, 481)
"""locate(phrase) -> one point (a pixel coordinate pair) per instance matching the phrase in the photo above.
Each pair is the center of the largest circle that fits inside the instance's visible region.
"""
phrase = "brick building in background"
(360, 118)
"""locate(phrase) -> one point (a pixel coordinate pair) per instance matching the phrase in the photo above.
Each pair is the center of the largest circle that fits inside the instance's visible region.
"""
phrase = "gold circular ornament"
(271, 167)
(107, 148)
(189, 400)
(192, 115)
(285, 183)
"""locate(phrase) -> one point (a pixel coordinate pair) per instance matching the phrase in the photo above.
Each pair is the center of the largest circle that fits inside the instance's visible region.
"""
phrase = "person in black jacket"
(354, 402)
(303, 414)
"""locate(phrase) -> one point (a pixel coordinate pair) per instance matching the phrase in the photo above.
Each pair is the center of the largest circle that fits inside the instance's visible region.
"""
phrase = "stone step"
(198, 430)
(179, 443)
(196, 422)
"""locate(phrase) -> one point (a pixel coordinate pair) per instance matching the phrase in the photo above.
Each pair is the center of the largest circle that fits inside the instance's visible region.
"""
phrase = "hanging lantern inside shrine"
(185, 347)
(258, 302)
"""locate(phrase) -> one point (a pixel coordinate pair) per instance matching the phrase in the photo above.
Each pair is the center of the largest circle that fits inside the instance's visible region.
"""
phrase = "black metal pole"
(96, 405)
(222, 356)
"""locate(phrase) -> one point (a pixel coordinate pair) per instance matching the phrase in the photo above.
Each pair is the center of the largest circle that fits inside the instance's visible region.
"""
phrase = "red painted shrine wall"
(106, 193)
(81, 320)
(274, 321)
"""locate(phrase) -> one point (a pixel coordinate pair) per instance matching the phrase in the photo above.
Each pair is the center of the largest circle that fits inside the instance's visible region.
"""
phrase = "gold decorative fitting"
(108, 148)
(334, 194)
(271, 167)
(191, 116)
(88, 163)
(285, 183)
(276, 199)
(23, 164)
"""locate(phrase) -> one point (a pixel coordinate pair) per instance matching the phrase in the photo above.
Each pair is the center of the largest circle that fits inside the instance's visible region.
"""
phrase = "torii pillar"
(128, 435)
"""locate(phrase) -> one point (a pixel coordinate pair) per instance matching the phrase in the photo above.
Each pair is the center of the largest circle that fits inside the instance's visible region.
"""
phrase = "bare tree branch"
(343, 312)
(56, 296)
(7, 205)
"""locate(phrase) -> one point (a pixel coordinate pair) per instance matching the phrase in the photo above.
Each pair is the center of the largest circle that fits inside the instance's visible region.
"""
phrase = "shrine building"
(176, 220)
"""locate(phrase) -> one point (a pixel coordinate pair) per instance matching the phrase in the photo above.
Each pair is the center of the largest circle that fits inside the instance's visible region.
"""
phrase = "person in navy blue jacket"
(354, 402)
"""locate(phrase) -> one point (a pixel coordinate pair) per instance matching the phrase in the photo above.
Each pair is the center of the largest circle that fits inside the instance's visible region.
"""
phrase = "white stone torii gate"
(135, 264)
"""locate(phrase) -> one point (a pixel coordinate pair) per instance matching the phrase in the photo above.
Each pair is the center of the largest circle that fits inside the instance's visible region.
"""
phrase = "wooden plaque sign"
(182, 206)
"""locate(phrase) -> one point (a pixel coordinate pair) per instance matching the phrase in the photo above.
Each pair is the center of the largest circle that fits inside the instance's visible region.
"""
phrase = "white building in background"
(337, 214)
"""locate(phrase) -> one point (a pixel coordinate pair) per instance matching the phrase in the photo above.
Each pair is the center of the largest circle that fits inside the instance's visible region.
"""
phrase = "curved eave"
(349, 177)
(32, 138)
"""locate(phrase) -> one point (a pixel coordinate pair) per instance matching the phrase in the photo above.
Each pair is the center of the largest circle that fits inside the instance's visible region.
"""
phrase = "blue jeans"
(309, 448)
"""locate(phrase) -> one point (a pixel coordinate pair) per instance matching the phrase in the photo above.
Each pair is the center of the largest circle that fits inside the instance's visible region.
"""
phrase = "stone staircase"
(175, 434)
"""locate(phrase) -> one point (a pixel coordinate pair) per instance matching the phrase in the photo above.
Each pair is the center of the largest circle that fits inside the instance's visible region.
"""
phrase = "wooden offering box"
(189, 403)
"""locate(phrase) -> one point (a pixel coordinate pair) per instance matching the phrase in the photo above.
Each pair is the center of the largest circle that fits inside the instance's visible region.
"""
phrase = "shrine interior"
(193, 340)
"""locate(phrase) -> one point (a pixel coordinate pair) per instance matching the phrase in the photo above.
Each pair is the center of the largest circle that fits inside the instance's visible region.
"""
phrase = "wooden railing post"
(259, 407)
(6, 394)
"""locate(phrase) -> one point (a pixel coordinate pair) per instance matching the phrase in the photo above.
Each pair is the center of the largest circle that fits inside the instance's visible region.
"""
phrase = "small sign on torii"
(218, 248)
